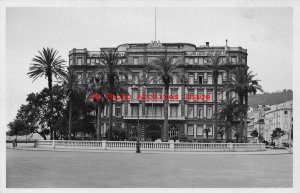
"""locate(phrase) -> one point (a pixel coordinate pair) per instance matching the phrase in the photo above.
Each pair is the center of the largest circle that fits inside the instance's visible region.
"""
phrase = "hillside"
(269, 98)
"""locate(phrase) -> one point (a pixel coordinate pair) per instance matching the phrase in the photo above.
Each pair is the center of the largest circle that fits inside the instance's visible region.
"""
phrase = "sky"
(265, 32)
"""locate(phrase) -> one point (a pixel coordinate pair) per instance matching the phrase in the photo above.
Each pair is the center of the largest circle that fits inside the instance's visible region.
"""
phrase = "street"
(51, 169)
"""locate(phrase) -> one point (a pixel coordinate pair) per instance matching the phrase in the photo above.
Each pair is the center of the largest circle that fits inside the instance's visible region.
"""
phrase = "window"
(174, 92)
(93, 61)
(210, 94)
(149, 110)
(134, 110)
(200, 112)
(88, 61)
(196, 60)
(285, 112)
(79, 61)
(210, 130)
(223, 60)
(174, 59)
(118, 112)
(191, 79)
(190, 129)
(201, 61)
(244, 60)
(135, 77)
(190, 94)
(150, 59)
(201, 79)
(79, 78)
(173, 132)
(132, 132)
(219, 96)
(233, 59)
(233, 95)
(173, 110)
(220, 79)
(102, 129)
(135, 93)
(209, 79)
(97, 61)
(209, 112)
(199, 130)
(158, 111)
(151, 78)
(135, 60)
(190, 111)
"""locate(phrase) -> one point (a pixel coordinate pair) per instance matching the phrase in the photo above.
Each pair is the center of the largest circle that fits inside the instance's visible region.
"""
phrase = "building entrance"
(153, 132)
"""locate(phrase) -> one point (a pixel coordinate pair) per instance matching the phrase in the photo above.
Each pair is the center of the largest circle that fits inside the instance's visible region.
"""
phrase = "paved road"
(43, 169)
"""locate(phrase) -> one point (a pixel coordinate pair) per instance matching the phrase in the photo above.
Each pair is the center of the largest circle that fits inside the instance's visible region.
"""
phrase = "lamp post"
(138, 150)
(53, 142)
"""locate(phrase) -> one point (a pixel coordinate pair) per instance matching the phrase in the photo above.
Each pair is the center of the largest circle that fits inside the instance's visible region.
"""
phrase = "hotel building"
(187, 118)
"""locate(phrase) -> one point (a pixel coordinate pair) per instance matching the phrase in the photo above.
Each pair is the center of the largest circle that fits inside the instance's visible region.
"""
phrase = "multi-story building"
(255, 121)
(280, 116)
(187, 118)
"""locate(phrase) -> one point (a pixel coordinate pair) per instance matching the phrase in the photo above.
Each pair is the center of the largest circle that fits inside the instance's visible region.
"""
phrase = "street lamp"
(138, 126)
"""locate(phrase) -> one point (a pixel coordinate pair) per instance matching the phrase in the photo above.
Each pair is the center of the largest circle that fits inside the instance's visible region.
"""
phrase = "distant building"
(255, 121)
(187, 118)
(279, 116)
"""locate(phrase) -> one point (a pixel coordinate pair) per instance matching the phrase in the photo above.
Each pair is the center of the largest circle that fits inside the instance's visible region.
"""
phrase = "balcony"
(174, 101)
(153, 117)
(134, 101)
(156, 101)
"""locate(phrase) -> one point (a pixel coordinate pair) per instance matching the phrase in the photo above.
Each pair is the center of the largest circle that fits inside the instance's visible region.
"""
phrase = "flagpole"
(155, 24)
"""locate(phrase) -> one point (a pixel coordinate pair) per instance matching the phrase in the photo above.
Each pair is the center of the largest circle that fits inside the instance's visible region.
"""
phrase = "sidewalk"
(30, 147)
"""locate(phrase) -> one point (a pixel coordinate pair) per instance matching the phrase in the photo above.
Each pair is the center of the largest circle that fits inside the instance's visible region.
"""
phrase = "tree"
(112, 70)
(18, 127)
(228, 114)
(221, 132)
(165, 69)
(254, 133)
(277, 134)
(215, 62)
(97, 89)
(243, 83)
(48, 64)
(36, 113)
(261, 138)
(71, 89)
(119, 134)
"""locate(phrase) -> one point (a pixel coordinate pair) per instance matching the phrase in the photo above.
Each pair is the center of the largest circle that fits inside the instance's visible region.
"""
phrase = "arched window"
(132, 132)
(173, 131)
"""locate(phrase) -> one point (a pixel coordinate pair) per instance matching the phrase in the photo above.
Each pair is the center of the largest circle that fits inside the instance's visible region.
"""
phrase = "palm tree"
(72, 90)
(215, 63)
(228, 115)
(243, 83)
(115, 85)
(48, 64)
(165, 69)
(97, 88)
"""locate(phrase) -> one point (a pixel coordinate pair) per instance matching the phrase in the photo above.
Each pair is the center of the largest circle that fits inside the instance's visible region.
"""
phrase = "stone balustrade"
(151, 146)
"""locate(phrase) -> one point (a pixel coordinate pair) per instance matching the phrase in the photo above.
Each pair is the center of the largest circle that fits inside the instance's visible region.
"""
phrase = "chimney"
(207, 44)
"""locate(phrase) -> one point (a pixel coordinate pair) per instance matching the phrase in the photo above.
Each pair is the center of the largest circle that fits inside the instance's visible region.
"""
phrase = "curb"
(270, 152)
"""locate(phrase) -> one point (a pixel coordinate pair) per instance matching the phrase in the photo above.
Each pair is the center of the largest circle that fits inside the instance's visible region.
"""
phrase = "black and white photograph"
(127, 96)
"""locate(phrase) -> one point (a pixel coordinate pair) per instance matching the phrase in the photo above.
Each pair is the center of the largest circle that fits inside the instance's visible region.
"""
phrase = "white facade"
(280, 116)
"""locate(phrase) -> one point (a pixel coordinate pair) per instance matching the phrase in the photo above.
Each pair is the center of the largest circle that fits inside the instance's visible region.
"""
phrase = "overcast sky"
(265, 32)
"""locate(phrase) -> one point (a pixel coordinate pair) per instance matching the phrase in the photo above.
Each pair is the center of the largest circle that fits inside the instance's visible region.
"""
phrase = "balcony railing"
(159, 101)
(153, 117)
